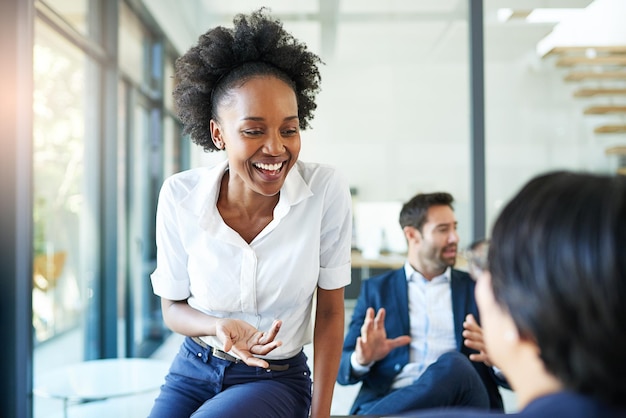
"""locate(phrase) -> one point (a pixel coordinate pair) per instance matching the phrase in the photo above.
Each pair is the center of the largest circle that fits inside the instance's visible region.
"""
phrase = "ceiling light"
(504, 14)
(552, 15)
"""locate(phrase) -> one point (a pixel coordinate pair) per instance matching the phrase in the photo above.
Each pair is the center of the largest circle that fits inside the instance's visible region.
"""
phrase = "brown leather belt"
(217, 353)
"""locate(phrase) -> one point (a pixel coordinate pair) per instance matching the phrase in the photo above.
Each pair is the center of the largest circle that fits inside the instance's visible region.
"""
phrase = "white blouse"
(203, 260)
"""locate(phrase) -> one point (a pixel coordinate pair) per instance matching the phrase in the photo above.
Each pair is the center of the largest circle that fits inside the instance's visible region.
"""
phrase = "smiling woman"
(259, 127)
(232, 273)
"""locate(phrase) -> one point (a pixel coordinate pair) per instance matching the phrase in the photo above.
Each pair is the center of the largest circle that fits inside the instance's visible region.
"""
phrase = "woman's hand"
(244, 340)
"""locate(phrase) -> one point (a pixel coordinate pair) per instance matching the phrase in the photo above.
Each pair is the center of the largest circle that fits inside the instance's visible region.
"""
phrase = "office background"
(459, 95)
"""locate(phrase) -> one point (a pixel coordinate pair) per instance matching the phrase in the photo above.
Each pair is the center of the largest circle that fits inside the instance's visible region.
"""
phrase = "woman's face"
(499, 331)
(259, 127)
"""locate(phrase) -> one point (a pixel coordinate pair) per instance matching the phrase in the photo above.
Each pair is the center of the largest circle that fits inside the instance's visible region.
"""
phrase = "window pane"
(535, 120)
(168, 84)
(59, 130)
(132, 45)
(65, 156)
(171, 146)
(145, 325)
(80, 14)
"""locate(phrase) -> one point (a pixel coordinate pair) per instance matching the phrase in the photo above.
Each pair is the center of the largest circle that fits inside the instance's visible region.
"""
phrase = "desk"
(383, 261)
(363, 268)
(97, 380)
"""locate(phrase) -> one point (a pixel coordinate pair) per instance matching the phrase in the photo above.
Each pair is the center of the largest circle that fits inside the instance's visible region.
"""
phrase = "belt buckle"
(224, 355)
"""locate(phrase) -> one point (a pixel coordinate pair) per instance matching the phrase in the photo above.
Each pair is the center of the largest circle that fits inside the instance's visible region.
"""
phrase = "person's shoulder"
(386, 278)
(571, 405)
(461, 275)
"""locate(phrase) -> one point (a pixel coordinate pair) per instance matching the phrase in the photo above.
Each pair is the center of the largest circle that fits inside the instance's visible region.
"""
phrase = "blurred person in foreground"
(552, 298)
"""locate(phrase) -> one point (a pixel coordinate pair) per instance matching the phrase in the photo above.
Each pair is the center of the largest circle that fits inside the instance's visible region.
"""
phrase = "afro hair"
(224, 58)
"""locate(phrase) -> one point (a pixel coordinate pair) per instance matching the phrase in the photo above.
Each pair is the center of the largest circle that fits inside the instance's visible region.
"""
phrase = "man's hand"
(473, 338)
(245, 340)
(373, 343)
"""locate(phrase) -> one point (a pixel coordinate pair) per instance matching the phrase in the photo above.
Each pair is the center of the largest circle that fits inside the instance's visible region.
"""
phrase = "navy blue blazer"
(390, 291)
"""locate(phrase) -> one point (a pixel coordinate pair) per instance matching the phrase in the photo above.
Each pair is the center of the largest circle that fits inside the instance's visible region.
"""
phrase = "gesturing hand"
(373, 343)
(245, 340)
(473, 335)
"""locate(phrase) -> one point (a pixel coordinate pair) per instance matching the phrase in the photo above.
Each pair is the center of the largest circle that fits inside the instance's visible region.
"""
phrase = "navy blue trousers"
(201, 386)
(450, 381)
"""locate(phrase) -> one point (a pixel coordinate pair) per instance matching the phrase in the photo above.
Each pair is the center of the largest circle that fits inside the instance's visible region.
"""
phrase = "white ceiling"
(353, 31)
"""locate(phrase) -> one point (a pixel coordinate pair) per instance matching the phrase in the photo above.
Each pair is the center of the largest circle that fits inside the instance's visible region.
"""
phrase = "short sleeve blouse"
(306, 245)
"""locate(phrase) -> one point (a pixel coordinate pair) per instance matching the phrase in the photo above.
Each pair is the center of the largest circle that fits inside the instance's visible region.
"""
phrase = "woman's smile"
(269, 170)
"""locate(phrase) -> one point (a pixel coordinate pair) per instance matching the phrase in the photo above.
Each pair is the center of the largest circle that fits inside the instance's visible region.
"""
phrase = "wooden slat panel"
(602, 49)
(603, 60)
(597, 75)
(616, 150)
(598, 92)
(603, 110)
(610, 129)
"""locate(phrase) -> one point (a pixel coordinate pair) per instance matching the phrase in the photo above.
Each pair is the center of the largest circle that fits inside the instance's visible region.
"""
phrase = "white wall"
(178, 19)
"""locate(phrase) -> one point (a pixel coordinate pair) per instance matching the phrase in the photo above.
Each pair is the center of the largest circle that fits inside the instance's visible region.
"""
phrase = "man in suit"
(415, 329)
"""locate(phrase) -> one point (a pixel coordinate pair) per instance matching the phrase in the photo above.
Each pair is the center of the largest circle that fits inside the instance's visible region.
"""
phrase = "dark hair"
(414, 211)
(226, 58)
(558, 264)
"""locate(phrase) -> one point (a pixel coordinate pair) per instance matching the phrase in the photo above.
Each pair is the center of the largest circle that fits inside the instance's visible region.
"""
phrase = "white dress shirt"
(203, 260)
(432, 323)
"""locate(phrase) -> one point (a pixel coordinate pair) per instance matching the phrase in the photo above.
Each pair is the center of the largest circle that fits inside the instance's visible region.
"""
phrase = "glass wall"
(539, 65)
(66, 191)
(66, 104)
(146, 137)
(73, 65)
(79, 14)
